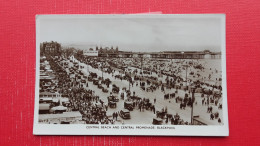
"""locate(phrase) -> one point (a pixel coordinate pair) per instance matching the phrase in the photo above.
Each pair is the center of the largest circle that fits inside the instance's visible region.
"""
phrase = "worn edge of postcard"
(173, 130)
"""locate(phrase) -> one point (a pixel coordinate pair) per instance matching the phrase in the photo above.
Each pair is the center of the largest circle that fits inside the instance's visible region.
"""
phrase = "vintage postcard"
(142, 74)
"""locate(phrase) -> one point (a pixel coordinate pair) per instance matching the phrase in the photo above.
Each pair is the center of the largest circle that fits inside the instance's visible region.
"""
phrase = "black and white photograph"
(131, 75)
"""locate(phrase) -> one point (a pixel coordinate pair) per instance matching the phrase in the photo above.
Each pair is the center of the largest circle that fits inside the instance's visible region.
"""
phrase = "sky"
(138, 34)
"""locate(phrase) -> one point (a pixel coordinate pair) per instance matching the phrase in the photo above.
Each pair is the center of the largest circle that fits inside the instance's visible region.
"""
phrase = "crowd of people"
(150, 75)
(92, 108)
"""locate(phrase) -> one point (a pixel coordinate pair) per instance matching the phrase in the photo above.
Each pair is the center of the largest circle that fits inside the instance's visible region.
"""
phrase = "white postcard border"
(178, 130)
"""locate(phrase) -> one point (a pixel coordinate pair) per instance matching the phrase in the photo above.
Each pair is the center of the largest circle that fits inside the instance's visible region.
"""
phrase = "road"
(146, 117)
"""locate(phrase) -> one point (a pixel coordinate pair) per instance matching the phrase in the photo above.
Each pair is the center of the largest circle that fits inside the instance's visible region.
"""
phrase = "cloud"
(135, 34)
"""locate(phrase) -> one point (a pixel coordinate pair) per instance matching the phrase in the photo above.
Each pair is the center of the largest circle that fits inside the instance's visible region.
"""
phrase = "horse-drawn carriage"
(190, 102)
(104, 90)
(136, 78)
(166, 96)
(108, 70)
(106, 81)
(115, 89)
(90, 78)
(151, 88)
(112, 98)
(160, 114)
(220, 106)
(126, 77)
(178, 99)
(217, 94)
(135, 97)
(148, 82)
(95, 82)
(172, 95)
(81, 73)
(199, 67)
(147, 104)
(100, 86)
(122, 96)
(93, 75)
(83, 81)
(207, 91)
(157, 121)
(182, 105)
(128, 105)
(119, 77)
(112, 104)
(125, 114)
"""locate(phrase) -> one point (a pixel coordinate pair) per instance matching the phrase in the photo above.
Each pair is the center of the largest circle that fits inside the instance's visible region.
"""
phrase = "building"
(108, 52)
(115, 53)
(52, 48)
(163, 55)
(187, 55)
(91, 52)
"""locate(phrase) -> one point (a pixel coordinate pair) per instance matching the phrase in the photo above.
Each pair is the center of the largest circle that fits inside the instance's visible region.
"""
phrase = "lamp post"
(192, 101)
(141, 64)
(130, 80)
(102, 71)
(86, 62)
(186, 66)
(102, 64)
(129, 85)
